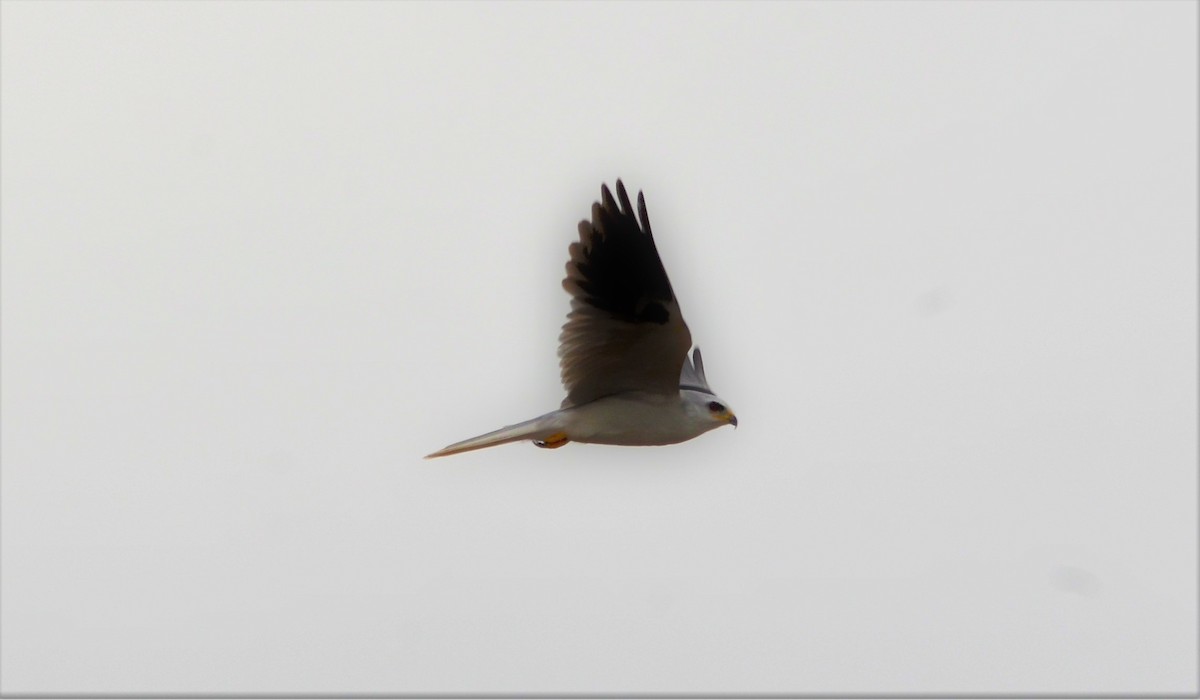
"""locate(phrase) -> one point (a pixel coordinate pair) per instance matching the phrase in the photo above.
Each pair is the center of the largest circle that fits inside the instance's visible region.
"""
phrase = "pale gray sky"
(259, 258)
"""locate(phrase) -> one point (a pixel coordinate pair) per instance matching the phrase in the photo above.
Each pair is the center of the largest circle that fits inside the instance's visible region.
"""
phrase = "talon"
(554, 441)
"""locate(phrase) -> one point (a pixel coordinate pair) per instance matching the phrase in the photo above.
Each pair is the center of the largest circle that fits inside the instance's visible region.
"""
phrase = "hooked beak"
(732, 419)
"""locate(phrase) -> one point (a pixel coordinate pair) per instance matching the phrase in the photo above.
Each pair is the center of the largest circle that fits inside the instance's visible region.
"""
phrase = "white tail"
(537, 428)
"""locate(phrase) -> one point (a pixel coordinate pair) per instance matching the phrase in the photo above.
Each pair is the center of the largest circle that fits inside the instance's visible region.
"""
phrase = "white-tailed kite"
(623, 351)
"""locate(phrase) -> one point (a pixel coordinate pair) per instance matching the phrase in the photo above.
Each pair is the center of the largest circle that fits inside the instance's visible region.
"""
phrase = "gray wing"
(692, 376)
(624, 331)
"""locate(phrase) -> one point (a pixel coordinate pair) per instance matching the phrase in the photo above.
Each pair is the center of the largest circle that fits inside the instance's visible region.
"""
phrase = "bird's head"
(710, 411)
(719, 413)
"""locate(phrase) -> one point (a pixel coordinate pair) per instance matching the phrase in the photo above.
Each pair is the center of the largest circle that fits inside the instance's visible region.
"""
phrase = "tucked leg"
(555, 440)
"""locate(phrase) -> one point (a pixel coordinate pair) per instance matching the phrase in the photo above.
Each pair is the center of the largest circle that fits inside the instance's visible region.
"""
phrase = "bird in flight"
(623, 351)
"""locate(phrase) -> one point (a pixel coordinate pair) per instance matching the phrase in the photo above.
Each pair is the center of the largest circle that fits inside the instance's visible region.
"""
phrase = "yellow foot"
(555, 440)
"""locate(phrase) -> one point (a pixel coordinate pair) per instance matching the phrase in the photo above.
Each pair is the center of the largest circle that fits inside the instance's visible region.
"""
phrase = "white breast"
(634, 419)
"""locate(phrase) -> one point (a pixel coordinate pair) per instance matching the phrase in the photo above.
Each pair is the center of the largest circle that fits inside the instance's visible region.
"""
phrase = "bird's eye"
(715, 407)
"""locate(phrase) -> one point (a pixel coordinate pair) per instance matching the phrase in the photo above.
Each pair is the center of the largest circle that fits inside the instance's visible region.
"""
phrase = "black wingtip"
(643, 215)
(622, 205)
(606, 198)
(623, 198)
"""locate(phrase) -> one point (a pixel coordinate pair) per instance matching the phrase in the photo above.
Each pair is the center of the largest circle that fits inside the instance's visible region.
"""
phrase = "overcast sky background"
(259, 258)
